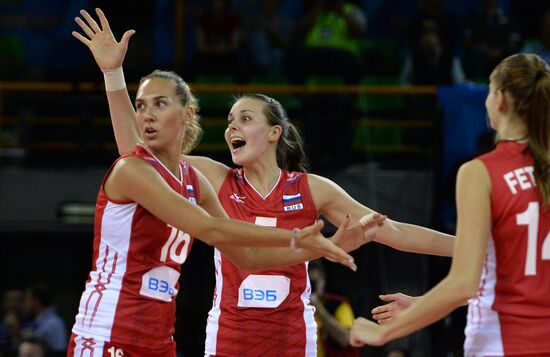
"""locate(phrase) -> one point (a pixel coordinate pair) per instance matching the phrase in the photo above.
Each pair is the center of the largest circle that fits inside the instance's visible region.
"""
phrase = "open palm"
(107, 52)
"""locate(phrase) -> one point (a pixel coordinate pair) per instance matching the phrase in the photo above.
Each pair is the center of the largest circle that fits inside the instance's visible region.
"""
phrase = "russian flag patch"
(292, 202)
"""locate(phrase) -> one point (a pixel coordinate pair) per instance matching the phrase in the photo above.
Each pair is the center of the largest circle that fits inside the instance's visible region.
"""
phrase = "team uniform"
(266, 313)
(510, 315)
(128, 307)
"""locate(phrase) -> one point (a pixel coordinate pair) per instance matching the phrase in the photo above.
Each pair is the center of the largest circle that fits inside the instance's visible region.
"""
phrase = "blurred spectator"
(432, 17)
(218, 40)
(430, 63)
(32, 347)
(12, 321)
(541, 45)
(396, 352)
(266, 38)
(489, 36)
(334, 316)
(331, 33)
(46, 324)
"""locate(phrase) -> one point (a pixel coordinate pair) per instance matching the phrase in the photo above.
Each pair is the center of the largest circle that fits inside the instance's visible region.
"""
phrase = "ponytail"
(538, 133)
(526, 77)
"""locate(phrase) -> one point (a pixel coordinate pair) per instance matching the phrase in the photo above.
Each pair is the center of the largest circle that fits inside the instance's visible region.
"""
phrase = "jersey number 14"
(530, 218)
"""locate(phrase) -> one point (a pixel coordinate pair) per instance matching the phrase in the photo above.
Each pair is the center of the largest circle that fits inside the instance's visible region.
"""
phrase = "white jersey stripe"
(309, 319)
(98, 303)
(482, 331)
(214, 314)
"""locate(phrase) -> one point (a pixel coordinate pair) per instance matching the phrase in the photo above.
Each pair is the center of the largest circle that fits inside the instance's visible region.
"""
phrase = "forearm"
(223, 231)
(123, 120)
(432, 306)
(261, 258)
(416, 239)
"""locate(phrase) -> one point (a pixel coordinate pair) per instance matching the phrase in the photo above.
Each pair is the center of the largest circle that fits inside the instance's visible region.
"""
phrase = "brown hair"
(193, 130)
(526, 77)
(290, 148)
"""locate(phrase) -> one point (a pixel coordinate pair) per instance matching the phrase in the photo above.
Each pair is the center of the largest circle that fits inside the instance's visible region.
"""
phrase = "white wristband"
(114, 79)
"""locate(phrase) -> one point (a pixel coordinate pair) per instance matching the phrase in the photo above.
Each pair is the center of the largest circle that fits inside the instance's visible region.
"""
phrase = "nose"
(148, 114)
(232, 126)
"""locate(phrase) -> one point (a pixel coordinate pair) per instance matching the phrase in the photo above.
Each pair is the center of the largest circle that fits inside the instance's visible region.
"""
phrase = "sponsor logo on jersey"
(237, 198)
(292, 202)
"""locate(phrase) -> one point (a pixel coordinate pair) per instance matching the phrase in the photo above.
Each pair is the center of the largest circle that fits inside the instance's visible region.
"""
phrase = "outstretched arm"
(109, 56)
(131, 179)
(258, 258)
(473, 229)
(334, 203)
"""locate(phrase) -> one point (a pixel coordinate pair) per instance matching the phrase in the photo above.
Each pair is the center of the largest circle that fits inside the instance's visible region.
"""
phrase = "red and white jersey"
(130, 294)
(511, 312)
(266, 313)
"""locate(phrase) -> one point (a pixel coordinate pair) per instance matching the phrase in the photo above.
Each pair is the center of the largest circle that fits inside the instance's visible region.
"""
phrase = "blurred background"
(389, 95)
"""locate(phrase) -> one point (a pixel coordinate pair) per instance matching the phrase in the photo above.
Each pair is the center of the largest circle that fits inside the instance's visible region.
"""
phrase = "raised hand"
(365, 332)
(311, 238)
(398, 303)
(359, 233)
(108, 53)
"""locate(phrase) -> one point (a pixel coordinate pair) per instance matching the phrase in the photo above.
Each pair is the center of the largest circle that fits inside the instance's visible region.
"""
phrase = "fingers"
(81, 38)
(338, 255)
(126, 37)
(91, 22)
(389, 297)
(383, 317)
(88, 31)
(103, 20)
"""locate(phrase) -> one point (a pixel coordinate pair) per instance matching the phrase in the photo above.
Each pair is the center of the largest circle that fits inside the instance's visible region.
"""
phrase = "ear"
(188, 113)
(275, 133)
(502, 101)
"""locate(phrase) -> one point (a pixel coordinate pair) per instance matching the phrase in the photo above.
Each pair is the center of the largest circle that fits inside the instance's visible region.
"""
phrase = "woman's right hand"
(108, 53)
(397, 303)
(311, 238)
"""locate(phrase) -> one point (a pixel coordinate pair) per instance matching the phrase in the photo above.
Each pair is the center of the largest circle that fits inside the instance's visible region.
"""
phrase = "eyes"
(243, 118)
(157, 104)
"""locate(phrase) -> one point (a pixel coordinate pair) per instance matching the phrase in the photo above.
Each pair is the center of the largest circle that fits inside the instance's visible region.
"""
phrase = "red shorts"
(90, 347)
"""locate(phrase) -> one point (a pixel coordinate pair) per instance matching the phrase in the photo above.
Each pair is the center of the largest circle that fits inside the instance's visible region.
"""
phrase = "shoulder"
(317, 183)
(214, 171)
(473, 173)
(475, 167)
(129, 165)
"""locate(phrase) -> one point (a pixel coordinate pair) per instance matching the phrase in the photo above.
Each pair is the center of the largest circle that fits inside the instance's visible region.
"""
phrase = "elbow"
(464, 291)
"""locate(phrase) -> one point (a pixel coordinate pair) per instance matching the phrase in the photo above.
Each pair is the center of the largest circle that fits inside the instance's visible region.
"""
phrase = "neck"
(263, 177)
(512, 129)
(169, 159)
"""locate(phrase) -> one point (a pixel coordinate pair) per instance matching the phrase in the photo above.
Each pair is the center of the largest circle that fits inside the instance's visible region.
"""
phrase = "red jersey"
(130, 294)
(511, 311)
(266, 313)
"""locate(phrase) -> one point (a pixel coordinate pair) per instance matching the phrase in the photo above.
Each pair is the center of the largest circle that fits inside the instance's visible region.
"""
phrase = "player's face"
(160, 115)
(248, 134)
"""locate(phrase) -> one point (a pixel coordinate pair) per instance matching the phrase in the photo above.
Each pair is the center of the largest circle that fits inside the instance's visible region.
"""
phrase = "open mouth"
(237, 143)
(149, 131)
